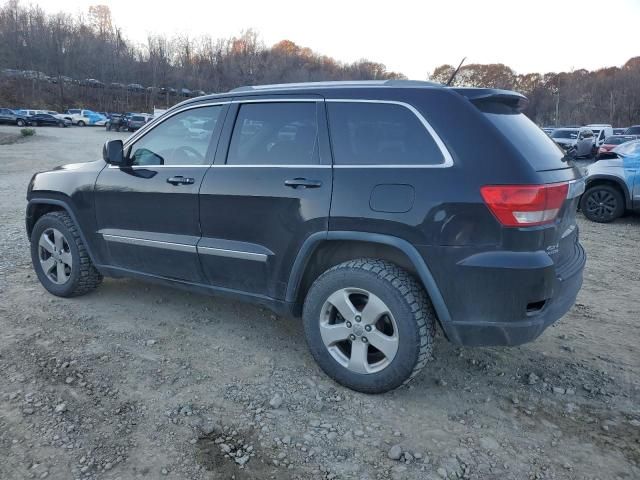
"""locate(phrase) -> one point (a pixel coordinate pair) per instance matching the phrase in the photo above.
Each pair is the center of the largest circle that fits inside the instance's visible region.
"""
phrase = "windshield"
(563, 133)
(137, 119)
(633, 130)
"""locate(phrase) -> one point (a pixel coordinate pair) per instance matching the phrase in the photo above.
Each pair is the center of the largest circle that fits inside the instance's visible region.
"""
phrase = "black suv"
(374, 210)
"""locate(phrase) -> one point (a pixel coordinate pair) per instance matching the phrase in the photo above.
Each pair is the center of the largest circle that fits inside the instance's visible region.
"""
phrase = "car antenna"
(453, 75)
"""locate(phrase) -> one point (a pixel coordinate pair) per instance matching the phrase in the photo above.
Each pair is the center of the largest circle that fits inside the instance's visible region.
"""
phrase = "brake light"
(525, 205)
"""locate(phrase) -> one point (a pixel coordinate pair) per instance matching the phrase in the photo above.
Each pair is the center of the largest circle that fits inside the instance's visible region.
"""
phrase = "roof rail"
(337, 84)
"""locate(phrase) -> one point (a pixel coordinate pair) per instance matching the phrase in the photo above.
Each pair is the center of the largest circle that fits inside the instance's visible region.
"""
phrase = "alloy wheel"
(359, 330)
(601, 204)
(55, 256)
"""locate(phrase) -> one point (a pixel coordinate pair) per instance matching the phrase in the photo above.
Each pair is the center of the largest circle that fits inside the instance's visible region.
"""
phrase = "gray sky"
(412, 37)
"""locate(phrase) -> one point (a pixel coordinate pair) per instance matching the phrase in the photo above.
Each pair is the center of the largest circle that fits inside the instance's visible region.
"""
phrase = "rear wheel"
(81, 123)
(20, 122)
(602, 203)
(61, 124)
(369, 325)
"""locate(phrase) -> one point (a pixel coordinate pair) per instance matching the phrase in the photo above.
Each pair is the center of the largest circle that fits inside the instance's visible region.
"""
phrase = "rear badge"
(552, 249)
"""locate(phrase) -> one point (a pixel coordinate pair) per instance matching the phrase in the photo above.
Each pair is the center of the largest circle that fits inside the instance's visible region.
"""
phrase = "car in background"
(13, 118)
(600, 132)
(135, 87)
(92, 82)
(46, 119)
(619, 131)
(576, 142)
(136, 121)
(548, 130)
(613, 184)
(82, 118)
(633, 130)
(117, 122)
(613, 141)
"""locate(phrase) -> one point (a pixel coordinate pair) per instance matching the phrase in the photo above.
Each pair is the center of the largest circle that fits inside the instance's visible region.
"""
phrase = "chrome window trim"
(278, 100)
(151, 167)
(448, 159)
(236, 165)
(144, 242)
(223, 252)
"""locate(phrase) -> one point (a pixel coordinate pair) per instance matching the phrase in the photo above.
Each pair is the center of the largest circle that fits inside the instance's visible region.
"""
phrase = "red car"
(613, 141)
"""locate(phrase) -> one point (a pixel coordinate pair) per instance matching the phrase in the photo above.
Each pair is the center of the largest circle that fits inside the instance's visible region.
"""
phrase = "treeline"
(92, 46)
(609, 95)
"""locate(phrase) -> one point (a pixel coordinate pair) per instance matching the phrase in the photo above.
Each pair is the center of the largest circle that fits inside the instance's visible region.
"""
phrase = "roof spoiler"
(515, 100)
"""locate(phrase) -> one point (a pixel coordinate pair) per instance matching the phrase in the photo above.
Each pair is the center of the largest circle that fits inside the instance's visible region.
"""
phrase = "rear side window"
(541, 152)
(274, 134)
(379, 134)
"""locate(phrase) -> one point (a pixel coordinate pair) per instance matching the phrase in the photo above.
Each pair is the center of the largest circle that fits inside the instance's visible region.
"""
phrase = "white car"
(600, 132)
(82, 118)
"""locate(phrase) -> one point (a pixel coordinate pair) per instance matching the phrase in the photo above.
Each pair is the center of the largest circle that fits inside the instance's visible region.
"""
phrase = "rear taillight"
(525, 205)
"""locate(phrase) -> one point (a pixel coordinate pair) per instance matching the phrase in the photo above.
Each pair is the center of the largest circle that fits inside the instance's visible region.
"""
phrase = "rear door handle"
(180, 180)
(302, 183)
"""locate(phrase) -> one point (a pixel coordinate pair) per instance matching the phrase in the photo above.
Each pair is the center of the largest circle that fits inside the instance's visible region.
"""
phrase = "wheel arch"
(324, 250)
(39, 206)
(614, 181)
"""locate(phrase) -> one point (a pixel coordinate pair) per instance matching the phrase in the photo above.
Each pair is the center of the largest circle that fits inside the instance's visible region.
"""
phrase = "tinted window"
(617, 140)
(182, 139)
(633, 131)
(541, 152)
(274, 134)
(379, 134)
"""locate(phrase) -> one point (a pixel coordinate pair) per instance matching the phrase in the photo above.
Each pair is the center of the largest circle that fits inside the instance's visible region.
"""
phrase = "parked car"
(82, 118)
(117, 122)
(600, 132)
(13, 118)
(135, 87)
(136, 122)
(45, 119)
(548, 130)
(363, 207)
(613, 184)
(634, 130)
(576, 142)
(92, 82)
(613, 141)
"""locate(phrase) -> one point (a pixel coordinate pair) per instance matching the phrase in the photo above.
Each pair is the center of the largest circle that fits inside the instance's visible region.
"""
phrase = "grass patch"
(27, 132)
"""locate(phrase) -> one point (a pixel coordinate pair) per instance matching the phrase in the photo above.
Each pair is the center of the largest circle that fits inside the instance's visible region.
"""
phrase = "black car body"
(48, 120)
(269, 193)
(11, 117)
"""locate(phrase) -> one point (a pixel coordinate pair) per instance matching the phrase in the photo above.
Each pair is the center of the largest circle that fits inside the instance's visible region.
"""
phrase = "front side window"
(274, 134)
(182, 139)
(379, 134)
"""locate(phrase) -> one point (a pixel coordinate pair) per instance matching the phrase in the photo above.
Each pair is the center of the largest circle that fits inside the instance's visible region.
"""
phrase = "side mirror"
(112, 152)
(608, 156)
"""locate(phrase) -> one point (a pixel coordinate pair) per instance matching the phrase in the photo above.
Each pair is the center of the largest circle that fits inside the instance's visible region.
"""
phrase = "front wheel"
(20, 122)
(369, 325)
(602, 203)
(60, 258)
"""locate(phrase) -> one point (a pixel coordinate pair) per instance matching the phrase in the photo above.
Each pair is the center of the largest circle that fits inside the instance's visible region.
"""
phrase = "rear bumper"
(494, 293)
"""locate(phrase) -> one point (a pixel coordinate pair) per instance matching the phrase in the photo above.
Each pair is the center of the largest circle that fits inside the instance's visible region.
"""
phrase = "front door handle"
(302, 183)
(180, 180)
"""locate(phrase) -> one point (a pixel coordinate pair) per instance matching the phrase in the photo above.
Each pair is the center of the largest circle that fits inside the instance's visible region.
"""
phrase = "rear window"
(535, 145)
(137, 119)
(379, 134)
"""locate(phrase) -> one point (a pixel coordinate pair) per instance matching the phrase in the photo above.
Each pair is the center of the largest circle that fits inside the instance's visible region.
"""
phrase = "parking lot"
(142, 381)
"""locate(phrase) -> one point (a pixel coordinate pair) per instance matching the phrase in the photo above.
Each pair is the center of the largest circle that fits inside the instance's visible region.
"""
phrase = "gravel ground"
(142, 381)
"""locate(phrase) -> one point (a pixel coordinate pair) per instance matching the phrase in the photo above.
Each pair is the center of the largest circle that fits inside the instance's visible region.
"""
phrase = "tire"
(37, 124)
(108, 127)
(602, 203)
(81, 123)
(20, 122)
(61, 124)
(74, 272)
(407, 325)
